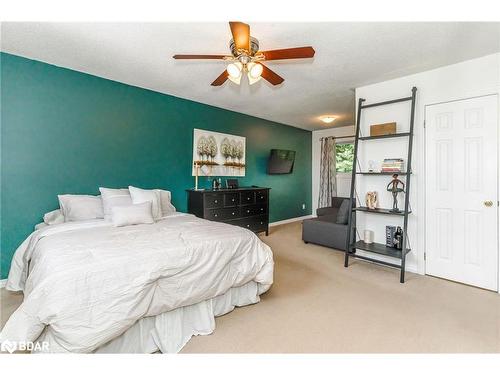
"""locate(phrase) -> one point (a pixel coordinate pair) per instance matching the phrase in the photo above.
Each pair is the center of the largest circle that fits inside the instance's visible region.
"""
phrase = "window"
(345, 157)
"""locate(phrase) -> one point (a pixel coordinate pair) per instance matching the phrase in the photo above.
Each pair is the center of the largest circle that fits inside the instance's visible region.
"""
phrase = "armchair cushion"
(343, 212)
(327, 211)
(337, 201)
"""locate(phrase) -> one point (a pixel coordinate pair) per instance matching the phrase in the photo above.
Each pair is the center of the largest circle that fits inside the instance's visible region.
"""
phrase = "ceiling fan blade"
(241, 35)
(270, 76)
(221, 79)
(188, 57)
(289, 53)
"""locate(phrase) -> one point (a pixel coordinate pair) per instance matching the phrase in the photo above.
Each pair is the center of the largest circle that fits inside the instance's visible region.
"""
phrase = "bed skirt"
(170, 331)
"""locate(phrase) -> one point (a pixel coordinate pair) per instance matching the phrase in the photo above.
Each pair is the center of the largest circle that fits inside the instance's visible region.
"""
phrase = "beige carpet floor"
(318, 306)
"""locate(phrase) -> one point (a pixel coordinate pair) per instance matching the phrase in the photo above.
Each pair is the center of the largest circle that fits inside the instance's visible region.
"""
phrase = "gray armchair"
(330, 227)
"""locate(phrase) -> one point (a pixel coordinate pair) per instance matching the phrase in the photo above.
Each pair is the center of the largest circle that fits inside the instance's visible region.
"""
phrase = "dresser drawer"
(256, 224)
(231, 199)
(214, 200)
(257, 209)
(261, 196)
(222, 214)
(247, 197)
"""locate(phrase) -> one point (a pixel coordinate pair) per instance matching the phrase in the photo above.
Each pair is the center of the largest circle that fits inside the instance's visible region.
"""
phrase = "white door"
(461, 191)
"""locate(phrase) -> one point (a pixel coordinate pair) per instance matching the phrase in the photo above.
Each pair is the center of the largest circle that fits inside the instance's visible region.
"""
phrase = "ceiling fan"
(246, 58)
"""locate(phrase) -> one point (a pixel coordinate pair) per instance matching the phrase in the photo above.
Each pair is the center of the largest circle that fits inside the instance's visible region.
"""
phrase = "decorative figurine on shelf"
(368, 236)
(398, 239)
(371, 200)
(371, 166)
(394, 188)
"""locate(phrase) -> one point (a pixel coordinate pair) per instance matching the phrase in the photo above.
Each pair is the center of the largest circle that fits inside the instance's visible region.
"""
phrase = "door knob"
(488, 203)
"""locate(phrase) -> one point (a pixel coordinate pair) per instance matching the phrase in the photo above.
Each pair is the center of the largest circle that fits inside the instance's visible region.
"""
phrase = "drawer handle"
(233, 213)
(262, 209)
(248, 225)
(215, 215)
(232, 200)
(262, 222)
(248, 211)
(215, 201)
(248, 198)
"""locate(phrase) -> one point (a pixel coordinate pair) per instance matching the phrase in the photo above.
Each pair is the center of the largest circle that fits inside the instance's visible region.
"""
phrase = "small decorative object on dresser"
(215, 184)
(232, 183)
(244, 207)
(371, 200)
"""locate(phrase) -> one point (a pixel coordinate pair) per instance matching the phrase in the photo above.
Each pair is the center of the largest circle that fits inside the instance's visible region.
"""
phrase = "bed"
(92, 287)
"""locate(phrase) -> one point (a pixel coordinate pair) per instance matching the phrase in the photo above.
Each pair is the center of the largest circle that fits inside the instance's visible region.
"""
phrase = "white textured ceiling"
(348, 55)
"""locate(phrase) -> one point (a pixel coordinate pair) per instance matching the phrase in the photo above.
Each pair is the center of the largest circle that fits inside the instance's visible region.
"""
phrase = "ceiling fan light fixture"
(236, 80)
(254, 70)
(234, 70)
(252, 80)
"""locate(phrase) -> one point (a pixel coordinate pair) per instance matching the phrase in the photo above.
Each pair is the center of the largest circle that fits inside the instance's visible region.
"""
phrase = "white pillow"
(132, 214)
(53, 217)
(143, 195)
(167, 207)
(112, 198)
(80, 207)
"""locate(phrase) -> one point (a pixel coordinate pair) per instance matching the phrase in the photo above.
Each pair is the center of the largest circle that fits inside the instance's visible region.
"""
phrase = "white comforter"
(89, 282)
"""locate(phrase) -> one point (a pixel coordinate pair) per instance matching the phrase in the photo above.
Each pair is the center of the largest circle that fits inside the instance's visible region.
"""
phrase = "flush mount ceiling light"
(247, 58)
(328, 119)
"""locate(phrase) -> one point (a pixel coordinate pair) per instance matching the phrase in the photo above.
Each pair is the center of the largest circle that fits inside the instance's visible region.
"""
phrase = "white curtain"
(328, 172)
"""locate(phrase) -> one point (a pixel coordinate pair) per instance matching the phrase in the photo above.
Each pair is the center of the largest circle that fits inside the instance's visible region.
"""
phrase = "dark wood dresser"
(245, 207)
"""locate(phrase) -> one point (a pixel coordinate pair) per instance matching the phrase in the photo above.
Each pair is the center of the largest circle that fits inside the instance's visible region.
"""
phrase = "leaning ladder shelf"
(377, 248)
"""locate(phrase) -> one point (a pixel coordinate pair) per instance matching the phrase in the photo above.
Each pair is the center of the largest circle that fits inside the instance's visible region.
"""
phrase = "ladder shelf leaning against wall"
(379, 248)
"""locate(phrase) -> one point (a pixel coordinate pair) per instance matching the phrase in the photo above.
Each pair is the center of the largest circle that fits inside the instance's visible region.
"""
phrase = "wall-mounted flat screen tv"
(280, 162)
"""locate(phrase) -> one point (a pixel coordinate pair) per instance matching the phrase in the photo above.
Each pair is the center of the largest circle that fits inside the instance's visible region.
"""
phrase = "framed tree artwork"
(218, 154)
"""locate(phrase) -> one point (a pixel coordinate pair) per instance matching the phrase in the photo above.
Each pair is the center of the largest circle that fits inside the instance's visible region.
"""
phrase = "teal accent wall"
(68, 132)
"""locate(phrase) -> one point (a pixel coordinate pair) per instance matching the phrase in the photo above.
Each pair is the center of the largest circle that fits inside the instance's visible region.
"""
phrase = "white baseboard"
(3, 283)
(287, 221)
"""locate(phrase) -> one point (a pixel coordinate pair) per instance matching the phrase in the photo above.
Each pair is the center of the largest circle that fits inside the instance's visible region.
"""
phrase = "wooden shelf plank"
(397, 135)
(383, 211)
(379, 248)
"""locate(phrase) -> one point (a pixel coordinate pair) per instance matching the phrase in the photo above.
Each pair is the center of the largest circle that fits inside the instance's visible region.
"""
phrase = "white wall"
(343, 179)
(471, 78)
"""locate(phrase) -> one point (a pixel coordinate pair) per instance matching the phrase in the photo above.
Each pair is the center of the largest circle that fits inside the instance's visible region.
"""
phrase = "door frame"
(424, 161)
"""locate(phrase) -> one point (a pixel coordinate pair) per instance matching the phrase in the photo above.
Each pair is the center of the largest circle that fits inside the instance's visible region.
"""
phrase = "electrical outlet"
(303, 206)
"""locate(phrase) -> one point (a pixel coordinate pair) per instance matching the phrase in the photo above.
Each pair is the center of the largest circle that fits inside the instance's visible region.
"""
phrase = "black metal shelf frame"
(383, 173)
(376, 248)
(385, 136)
(383, 211)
